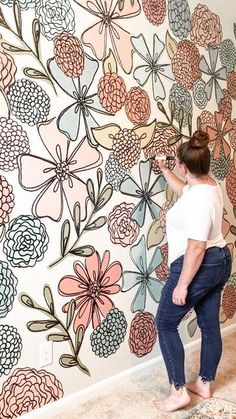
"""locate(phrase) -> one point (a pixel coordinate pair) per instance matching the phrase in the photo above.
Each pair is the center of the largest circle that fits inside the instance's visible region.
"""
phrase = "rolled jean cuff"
(178, 385)
(205, 379)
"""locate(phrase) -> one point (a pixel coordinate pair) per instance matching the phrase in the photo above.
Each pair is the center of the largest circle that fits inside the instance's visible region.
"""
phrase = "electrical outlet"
(45, 354)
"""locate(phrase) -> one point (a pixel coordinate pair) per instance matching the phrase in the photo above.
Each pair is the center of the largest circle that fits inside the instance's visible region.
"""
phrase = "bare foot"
(176, 400)
(200, 388)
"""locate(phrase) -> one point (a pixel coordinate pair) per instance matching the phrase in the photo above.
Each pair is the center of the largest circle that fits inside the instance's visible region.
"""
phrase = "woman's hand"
(163, 165)
(179, 295)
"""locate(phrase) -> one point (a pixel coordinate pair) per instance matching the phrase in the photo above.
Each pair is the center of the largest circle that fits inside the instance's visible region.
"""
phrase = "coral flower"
(91, 288)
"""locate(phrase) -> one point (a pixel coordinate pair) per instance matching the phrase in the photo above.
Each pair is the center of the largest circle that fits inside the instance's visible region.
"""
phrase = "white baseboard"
(55, 408)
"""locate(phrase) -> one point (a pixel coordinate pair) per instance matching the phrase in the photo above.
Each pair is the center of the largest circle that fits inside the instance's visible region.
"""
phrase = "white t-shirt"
(196, 215)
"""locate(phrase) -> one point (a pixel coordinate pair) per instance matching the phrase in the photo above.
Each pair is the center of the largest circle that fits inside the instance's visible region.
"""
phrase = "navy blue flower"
(8, 283)
(26, 241)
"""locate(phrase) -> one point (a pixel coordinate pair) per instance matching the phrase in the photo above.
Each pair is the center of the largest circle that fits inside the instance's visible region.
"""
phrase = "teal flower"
(144, 192)
(214, 74)
(24, 4)
(142, 277)
(152, 67)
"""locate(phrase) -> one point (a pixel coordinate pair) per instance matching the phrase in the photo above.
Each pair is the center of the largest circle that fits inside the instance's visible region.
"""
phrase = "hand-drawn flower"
(165, 208)
(143, 334)
(6, 200)
(91, 287)
(109, 15)
(107, 337)
(24, 4)
(155, 11)
(55, 17)
(159, 145)
(8, 284)
(230, 183)
(206, 29)
(114, 172)
(214, 74)
(123, 230)
(182, 99)
(225, 105)
(217, 135)
(68, 121)
(179, 18)
(7, 71)
(126, 147)
(28, 389)
(57, 178)
(152, 67)
(162, 271)
(185, 64)
(231, 84)
(227, 52)
(143, 192)
(142, 277)
(26, 241)
(232, 135)
(207, 118)
(29, 102)
(69, 54)
(137, 106)
(199, 94)
(13, 142)
(112, 92)
(10, 348)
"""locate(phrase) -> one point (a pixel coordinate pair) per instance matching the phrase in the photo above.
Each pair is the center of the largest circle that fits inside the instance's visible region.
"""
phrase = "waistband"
(214, 251)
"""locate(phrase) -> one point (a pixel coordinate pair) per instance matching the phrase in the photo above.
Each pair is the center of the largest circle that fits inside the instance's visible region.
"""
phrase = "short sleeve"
(198, 217)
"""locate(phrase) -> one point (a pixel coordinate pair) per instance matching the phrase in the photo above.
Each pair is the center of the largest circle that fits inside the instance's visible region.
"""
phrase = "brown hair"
(195, 154)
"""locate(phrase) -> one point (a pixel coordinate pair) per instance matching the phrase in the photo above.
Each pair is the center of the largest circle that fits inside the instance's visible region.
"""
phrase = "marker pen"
(164, 158)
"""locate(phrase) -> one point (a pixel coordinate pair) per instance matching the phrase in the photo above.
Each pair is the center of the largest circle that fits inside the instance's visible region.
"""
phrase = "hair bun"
(199, 139)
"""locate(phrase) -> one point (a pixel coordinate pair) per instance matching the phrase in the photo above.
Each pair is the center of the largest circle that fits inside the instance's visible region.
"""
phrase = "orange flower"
(90, 288)
(7, 71)
(231, 84)
(69, 55)
(225, 105)
(155, 11)
(185, 64)
(206, 29)
(138, 106)
(112, 92)
(217, 135)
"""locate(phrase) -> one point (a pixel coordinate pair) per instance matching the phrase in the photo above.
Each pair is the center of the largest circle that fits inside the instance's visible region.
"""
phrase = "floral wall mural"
(90, 92)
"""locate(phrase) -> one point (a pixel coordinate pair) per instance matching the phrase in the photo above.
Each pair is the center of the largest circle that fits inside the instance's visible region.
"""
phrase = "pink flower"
(57, 178)
(28, 389)
(90, 288)
(122, 228)
(206, 29)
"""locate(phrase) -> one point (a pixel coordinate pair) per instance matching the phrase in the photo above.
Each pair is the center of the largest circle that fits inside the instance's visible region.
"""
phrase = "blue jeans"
(204, 294)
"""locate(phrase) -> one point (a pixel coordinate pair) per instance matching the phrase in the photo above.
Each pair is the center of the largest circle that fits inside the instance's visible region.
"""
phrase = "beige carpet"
(132, 398)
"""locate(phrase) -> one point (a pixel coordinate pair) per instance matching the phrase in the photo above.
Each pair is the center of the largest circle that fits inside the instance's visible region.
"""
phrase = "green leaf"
(104, 197)
(83, 251)
(83, 368)
(27, 301)
(181, 118)
(70, 313)
(192, 327)
(90, 190)
(13, 48)
(170, 195)
(76, 218)
(190, 120)
(65, 235)
(155, 234)
(68, 361)
(99, 176)
(36, 35)
(34, 74)
(234, 210)
(57, 337)
(172, 110)
(173, 140)
(17, 17)
(96, 224)
(48, 298)
(79, 336)
(199, 122)
(41, 325)
(233, 230)
(161, 107)
(163, 125)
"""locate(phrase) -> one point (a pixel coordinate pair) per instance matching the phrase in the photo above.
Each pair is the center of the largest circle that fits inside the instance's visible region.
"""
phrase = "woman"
(200, 264)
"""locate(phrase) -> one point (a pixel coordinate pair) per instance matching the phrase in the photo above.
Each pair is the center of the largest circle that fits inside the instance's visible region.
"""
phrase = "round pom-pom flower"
(10, 348)
(29, 102)
(199, 94)
(185, 64)
(206, 29)
(26, 241)
(7, 71)
(6, 200)
(227, 52)
(112, 92)
(69, 55)
(182, 99)
(55, 17)
(225, 105)
(8, 283)
(127, 147)
(114, 172)
(28, 389)
(179, 18)
(24, 4)
(155, 11)
(137, 106)
(122, 228)
(231, 84)
(13, 142)
(143, 334)
(107, 337)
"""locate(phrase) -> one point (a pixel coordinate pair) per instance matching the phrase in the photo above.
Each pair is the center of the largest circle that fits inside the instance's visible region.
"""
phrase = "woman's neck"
(197, 180)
